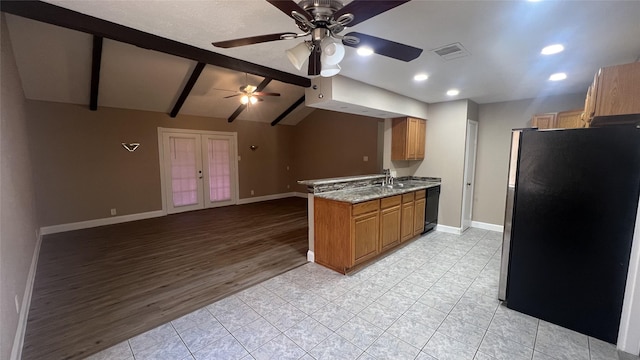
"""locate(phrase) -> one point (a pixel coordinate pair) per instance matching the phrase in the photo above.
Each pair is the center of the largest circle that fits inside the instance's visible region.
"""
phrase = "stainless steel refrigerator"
(572, 200)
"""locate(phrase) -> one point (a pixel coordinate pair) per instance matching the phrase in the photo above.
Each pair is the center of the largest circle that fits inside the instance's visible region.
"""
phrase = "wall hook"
(131, 147)
(253, 147)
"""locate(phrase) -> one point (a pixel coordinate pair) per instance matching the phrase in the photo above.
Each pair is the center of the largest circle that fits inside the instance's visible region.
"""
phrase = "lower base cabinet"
(350, 234)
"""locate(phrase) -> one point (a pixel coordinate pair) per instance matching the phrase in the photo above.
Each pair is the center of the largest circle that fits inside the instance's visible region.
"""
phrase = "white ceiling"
(503, 37)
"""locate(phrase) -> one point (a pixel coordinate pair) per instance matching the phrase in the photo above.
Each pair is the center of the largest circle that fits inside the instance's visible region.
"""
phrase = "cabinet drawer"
(390, 201)
(407, 197)
(420, 194)
(366, 207)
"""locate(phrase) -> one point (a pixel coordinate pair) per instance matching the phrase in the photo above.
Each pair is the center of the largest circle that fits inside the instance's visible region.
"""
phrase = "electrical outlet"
(288, 186)
(252, 192)
(239, 158)
(287, 167)
(17, 305)
(113, 212)
(365, 158)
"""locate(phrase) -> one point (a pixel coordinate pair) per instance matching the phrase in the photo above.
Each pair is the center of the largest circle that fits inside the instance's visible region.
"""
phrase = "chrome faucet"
(387, 176)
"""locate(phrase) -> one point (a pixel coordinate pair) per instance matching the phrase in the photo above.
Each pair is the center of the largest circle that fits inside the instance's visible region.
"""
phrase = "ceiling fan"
(249, 94)
(324, 20)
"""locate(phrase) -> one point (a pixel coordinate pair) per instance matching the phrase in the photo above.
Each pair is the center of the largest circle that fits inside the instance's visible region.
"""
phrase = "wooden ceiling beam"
(187, 88)
(241, 108)
(95, 72)
(55, 15)
(288, 111)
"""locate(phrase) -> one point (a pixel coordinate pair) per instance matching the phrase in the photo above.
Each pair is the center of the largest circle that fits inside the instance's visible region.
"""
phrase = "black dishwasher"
(431, 209)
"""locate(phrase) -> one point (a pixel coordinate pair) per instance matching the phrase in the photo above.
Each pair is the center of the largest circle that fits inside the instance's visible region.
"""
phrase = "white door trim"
(469, 178)
(234, 164)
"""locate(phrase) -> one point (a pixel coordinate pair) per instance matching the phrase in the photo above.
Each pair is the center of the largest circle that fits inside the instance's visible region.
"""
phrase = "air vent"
(451, 51)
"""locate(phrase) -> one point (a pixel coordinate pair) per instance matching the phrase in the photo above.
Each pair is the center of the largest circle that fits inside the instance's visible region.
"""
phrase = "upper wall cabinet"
(561, 120)
(408, 138)
(615, 91)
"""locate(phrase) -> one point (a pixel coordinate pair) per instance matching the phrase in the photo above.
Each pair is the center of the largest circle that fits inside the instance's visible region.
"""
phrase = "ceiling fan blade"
(265, 94)
(249, 40)
(314, 62)
(384, 47)
(366, 9)
(287, 6)
(230, 96)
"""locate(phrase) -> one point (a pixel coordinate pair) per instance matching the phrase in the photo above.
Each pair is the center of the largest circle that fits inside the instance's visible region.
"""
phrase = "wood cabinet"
(570, 119)
(544, 121)
(406, 230)
(560, 120)
(364, 236)
(614, 94)
(408, 136)
(418, 213)
(390, 222)
(349, 234)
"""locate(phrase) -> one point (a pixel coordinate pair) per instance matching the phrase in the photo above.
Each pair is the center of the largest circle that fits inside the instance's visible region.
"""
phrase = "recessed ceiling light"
(421, 77)
(453, 92)
(558, 76)
(365, 51)
(552, 49)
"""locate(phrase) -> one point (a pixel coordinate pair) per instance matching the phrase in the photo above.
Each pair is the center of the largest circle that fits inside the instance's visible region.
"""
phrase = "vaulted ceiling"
(503, 38)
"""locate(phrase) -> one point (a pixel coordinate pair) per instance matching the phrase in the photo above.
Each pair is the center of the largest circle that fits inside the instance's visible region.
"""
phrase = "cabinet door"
(421, 136)
(406, 231)
(569, 119)
(544, 121)
(418, 218)
(364, 236)
(618, 90)
(389, 227)
(412, 145)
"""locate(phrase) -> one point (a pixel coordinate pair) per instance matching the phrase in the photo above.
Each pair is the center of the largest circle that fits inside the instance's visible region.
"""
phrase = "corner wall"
(496, 121)
(18, 224)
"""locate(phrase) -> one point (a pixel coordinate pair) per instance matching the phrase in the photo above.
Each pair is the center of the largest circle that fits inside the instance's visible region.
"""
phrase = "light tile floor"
(434, 298)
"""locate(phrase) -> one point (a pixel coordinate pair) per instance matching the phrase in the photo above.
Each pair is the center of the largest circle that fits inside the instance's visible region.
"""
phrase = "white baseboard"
(311, 256)
(301, 195)
(18, 340)
(45, 230)
(267, 198)
(487, 226)
(448, 229)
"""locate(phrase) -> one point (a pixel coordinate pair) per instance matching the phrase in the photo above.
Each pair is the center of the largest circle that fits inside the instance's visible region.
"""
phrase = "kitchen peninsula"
(356, 219)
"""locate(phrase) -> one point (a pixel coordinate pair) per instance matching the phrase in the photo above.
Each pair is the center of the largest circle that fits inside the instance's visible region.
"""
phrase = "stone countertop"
(373, 192)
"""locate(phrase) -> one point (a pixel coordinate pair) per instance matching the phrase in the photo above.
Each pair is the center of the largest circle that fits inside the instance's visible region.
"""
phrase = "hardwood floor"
(97, 287)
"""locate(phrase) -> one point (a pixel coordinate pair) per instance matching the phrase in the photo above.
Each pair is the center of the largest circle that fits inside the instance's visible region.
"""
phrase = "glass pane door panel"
(184, 171)
(219, 167)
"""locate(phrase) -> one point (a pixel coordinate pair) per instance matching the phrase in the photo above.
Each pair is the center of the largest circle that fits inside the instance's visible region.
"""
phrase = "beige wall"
(494, 135)
(82, 170)
(330, 144)
(444, 156)
(17, 214)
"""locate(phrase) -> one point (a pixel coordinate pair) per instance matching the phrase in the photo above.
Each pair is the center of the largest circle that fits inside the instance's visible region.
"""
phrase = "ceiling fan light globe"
(253, 99)
(244, 99)
(332, 51)
(298, 55)
(329, 70)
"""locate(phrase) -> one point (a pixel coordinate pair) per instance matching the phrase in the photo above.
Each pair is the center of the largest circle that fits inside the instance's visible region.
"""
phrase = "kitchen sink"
(399, 186)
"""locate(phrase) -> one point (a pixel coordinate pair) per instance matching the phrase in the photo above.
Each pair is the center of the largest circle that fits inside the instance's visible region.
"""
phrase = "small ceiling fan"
(324, 20)
(249, 94)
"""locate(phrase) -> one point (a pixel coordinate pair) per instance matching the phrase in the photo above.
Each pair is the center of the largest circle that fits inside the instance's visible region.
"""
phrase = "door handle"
(199, 174)
(468, 184)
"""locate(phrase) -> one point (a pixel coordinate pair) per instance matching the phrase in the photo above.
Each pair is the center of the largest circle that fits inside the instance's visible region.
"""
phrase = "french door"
(199, 169)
